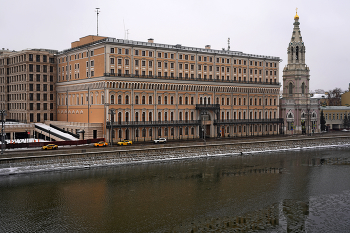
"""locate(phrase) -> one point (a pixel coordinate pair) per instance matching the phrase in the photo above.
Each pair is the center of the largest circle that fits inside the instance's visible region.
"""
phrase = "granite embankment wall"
(129, 155)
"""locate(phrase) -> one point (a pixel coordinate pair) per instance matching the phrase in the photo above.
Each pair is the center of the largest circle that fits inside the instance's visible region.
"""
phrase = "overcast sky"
(254, 26)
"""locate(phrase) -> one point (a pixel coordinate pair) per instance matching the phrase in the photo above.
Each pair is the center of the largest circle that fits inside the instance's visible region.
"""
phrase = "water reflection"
(277, 192)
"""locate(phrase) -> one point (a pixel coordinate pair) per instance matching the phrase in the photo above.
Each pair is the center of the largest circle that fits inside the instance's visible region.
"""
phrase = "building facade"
(300, 112)
(145, 90)
(27, 84)
(335, 115)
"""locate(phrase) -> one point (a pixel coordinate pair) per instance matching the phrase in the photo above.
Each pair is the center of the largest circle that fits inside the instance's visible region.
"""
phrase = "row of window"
(38, 87)
(76, 56)
(336, 116)
(38, 117)
(240, 115)
(186, 66)
(39, 106)
(190, 57)
(186, 100)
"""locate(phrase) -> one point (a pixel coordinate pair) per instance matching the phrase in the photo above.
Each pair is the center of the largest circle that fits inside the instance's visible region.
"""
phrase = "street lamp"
(112, 112)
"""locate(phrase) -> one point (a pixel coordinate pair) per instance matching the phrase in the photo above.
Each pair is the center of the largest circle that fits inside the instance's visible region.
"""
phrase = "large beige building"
(27, 84)
(144, 90)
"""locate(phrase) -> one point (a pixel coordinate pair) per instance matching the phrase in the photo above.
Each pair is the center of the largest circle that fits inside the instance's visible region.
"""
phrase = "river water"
(288, 191)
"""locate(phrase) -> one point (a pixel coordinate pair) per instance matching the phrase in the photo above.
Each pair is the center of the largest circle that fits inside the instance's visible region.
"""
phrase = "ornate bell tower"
(297, 108)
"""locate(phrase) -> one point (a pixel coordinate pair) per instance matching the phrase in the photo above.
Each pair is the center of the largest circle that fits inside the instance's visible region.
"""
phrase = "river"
(301, 190)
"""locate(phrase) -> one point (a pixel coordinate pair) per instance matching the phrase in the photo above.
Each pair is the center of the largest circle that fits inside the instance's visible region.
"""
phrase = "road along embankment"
(89, 159)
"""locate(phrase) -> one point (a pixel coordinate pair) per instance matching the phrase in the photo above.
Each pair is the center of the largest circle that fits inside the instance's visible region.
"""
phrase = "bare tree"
(334, 97)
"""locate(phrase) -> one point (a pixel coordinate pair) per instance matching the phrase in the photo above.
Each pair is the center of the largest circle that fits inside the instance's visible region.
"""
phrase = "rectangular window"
(37, 87)
(112, 50)
(136, 52)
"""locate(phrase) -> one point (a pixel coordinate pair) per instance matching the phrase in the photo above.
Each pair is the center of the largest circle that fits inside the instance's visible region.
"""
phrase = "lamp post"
(3, 113)
(112, 112)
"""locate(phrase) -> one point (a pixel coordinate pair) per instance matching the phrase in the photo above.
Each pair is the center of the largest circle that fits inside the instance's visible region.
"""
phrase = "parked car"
(50, 147)
(101, 143)
(125, 142)
(160, 140)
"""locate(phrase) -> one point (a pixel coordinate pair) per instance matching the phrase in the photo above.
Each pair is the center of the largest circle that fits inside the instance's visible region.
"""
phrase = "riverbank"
(117, 156)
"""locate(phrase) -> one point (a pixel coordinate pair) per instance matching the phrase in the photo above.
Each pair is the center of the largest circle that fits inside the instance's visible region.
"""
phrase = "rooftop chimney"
(150, 40)
(207, 46)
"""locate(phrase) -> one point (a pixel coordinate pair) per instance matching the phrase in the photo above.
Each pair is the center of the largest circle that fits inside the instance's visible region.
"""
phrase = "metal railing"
(65, 131)
(152, 123)
(249, 121)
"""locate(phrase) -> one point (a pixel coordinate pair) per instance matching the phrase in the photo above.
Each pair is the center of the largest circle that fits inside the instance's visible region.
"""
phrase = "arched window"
(112, 99)
(150, 100)
(126, 99)
(159, 116)
(201, 100)
(297, 53)
(137, 99)
(208, 100)
(290, 88)
(180, 100)
(303, 88)
(143, 99)
(119, 99)
(165, 116)
(159, 100)
(143, 116)
(136, 116)
(126, 116)
(150, 116)
(119, 117)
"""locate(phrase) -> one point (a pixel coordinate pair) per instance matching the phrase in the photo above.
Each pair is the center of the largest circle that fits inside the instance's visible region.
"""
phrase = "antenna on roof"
(126, 32)
(228, 43)
(97, 11)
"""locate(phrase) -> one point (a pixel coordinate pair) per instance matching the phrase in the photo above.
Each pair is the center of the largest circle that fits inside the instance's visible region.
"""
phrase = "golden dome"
(296, 16)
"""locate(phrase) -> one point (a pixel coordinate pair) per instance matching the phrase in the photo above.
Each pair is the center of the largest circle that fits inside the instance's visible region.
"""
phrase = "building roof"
(177, 47)
(319, 96)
